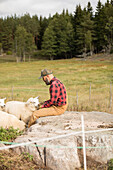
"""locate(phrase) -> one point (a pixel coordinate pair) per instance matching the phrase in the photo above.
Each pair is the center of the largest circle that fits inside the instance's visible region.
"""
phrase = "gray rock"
(99, 146)
(62, 153)
(56, 154)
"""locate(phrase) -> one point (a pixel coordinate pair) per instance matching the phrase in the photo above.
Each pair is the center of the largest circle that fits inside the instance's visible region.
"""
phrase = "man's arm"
(54, 93)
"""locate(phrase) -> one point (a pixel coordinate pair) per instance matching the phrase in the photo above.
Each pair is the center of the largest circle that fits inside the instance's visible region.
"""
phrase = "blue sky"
(41, 7)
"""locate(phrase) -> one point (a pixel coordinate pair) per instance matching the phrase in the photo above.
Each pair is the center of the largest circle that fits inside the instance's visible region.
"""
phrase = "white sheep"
(8, 120)
(2, 104)
(22, 110)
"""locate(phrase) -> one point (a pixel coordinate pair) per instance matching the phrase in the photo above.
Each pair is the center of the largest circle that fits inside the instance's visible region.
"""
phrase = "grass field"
(87, 82)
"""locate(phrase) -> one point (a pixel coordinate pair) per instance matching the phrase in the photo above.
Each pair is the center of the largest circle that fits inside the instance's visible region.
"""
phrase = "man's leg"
(51, 111)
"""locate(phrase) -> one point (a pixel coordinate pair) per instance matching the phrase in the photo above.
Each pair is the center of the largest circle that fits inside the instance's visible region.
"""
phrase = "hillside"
(95, 57)
(101, 57)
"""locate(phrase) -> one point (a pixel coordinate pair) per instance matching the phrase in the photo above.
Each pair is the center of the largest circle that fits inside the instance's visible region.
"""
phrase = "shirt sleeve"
(54, 93)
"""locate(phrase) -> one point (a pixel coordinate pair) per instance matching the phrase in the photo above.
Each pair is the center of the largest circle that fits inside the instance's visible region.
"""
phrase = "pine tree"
(43, 24)
(59, 36)
(24, 43)
(98, 8)
(77, 19)
(70, 39)
(90, 9)
(0, 48)
(109, 34)
(20, 42)
(65, 32)
(49, 43)
(29, 45)
(111, 2)
(26, 22)
(8, 30)
(107, 3)
(85, 34)
(100, 22)
(108, 11)
(35, 28)
(1, 29)
(78, 16)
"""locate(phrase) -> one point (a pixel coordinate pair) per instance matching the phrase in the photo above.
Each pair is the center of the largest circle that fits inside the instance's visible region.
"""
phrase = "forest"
(60, 36)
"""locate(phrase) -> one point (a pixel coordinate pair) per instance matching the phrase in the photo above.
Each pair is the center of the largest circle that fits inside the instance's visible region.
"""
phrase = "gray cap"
(45, 72)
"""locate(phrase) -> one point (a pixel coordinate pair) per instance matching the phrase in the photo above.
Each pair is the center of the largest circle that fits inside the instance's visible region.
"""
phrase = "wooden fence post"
(77, 99)
(90, 93)
(110, 96)
(12, 93)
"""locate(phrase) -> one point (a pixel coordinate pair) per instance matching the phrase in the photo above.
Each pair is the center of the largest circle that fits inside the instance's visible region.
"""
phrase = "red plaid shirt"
(57, 94)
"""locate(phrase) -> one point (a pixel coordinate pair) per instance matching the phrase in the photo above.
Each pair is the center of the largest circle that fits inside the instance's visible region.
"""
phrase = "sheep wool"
(7, 120)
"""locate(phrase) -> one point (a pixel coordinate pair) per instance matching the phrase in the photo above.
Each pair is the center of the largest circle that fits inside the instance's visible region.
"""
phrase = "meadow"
(89, 83)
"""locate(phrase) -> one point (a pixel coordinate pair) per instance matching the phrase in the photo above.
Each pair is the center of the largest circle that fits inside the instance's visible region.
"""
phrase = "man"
(57, 104)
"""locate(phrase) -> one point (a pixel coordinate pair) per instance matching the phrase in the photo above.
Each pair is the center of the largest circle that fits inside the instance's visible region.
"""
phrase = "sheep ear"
(37, 97)
(29, 99)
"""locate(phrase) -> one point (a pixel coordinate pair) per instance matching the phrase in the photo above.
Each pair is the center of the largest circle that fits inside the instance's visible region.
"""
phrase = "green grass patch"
(9, 134)
(19, 81)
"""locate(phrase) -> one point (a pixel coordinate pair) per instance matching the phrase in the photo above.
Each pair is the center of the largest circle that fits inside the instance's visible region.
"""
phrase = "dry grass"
(19, 81)
(12, 161)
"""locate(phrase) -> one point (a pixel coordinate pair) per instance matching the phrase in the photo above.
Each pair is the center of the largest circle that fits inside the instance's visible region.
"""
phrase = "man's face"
(46, 80)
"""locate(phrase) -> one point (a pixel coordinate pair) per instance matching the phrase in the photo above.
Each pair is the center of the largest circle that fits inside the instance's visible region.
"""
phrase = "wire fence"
(92, 98)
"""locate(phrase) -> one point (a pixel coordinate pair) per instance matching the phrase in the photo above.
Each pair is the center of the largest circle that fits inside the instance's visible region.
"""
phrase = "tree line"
(60, 36)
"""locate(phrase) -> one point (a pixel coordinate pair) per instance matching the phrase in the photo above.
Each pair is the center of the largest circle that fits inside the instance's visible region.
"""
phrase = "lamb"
(22, 110)
(7, 120)
(2, 104)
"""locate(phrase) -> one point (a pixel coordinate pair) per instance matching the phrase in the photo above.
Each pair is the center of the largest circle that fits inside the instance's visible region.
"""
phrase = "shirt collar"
(53, 79)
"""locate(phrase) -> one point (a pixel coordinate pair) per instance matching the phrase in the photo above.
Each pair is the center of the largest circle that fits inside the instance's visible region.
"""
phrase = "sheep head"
(33, 103)
(2, 103)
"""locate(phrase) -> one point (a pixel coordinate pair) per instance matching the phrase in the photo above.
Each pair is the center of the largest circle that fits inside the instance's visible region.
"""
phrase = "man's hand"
(40, 105)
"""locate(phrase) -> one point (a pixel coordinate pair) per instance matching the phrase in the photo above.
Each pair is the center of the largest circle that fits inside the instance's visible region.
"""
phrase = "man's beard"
(47, 82)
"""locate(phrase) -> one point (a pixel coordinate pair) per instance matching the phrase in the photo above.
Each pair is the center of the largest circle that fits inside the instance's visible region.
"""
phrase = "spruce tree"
(8, 29)
(85, 34)
(111, 2)
(58, 37)
(100, 22)
(20, 39)
(1, 29)
(109, 34)
(43, 24)
(77, 19)
(49, 43)
(90, 9)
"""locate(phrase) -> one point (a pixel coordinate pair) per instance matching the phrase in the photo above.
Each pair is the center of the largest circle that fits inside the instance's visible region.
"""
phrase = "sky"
(42, 7)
